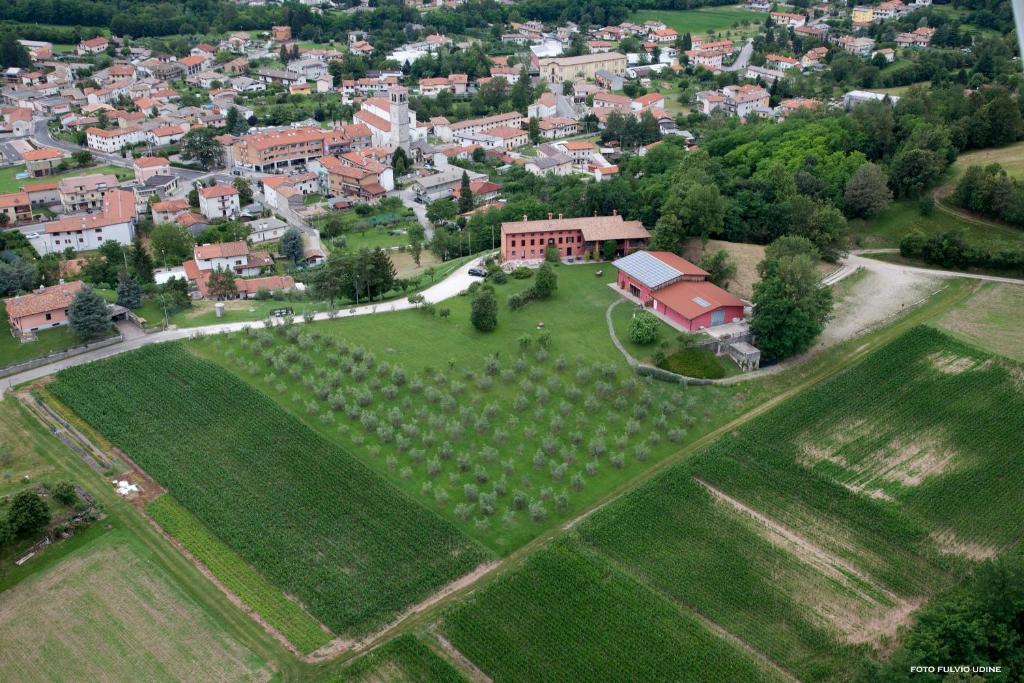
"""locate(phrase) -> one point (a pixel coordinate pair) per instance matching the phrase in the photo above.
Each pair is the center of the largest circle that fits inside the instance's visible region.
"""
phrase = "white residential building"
(219, 201)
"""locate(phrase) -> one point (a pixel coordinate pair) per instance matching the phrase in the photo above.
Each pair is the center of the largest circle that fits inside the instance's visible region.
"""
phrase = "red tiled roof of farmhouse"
(594, 228)
(685, 298)
(41, 301)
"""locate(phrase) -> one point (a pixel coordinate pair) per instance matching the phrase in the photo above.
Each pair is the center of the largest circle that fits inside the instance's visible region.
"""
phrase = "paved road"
(741, 62)
(446, 289)
(408, 198)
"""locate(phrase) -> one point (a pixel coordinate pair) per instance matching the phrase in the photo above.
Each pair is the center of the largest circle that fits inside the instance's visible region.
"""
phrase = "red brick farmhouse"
(526, 240)
(677, 289)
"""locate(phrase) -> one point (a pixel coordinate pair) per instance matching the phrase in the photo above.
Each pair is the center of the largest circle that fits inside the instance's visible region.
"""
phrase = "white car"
(33, 236)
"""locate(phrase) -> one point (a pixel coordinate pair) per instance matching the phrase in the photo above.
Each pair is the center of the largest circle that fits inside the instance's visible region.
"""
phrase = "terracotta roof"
(42, 301)
(685, 298)
(205, 252)
(40, 187)
(14, 199)
(218, 191)
(269, 282)
(170, 205)
(151, 162)
(118, 207)
(42, 154)
(190, 218)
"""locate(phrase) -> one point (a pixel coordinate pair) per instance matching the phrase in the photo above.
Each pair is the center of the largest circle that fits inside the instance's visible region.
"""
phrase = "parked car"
(478, 272)
(32, 235)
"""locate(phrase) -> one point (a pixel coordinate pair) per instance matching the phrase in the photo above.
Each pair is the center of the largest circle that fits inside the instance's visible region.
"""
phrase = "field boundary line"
(803, 549)
(464, 663)
(689, 610)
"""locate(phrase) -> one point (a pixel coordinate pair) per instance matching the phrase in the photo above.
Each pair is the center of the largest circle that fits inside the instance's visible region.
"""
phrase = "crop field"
(813, 532)
(504, 446)
(567, 616)
(311, 519)
(269, 602)
(707, 20)
(106, 612)
(403, 659)
(990, 319)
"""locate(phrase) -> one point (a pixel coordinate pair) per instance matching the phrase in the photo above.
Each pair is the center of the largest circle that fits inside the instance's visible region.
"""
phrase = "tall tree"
(291, 245)
(27, 513)
(465, 194)
(790, 306)
(867, 192)
(222, 285)
(129, 293)
(88, 315)
(198, 145)
(244, 191)
(141, 262)
(483, 310)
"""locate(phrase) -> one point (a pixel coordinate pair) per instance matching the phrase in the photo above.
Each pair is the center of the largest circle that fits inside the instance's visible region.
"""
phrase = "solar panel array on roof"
(648, 270)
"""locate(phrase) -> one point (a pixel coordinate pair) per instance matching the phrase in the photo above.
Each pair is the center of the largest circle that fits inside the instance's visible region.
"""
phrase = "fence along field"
(313, 521)
(815, 561)
(568, 616)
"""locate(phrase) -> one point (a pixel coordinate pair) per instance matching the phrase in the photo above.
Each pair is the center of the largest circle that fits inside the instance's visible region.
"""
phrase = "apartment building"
(561, 69)
(219, 201)
(345, 180)
(272, 150)
(85, 192)
(465, 130)
(113, 140)
(85, 232)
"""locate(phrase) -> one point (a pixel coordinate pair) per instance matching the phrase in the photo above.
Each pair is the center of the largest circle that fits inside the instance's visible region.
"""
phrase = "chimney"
(560, 216)
(550, 215)
(525, 218)
(60, 281)
(615, 212)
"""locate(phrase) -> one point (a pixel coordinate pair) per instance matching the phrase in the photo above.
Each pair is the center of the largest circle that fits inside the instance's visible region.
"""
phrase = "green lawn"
(889, 227)
(13, 351)
(698, 362)
(10, 183)
(128, 616)
(703, 21)
(990, 319)
(311, 199)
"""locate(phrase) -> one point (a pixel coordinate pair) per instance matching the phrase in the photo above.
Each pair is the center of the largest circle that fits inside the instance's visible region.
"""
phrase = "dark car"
(478, 272)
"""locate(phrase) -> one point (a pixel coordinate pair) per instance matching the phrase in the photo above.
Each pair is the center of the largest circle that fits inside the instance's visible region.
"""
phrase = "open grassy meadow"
(108, 612)
(902, 217)
(990, 319)
(1011, 158)
(505, 434)
(312, 520)
(703, 21)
